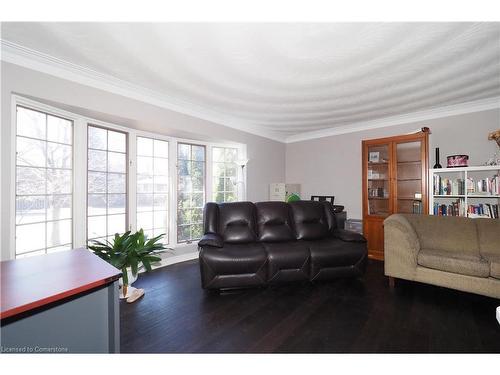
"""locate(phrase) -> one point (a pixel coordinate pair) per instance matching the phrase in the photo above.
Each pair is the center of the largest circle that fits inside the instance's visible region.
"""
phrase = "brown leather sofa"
(247, 244)
(453, 252)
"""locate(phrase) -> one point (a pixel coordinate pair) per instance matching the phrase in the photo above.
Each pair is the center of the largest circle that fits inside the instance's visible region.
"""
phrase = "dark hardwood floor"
(342, 316)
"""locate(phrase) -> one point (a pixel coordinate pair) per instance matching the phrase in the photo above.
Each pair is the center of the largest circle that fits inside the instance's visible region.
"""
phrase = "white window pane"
(144, 220)
(218, 154)
(145, 165)
(58, 233)
(160, 149)
(31, 123)
(58, 181)
(59, 249)
(145, 184)
(117, 162)
(96, 226)
(58, 155)
(30, 237)
(30, 209)
(231, 170)
(96, 204)
(30, 152)
(161, 167)
(96, 182)
(116, 203)
(148, 234)
(30, 181)
(116, 183)
(59, 207)
(183, 233)
(160, 219)
(97, 138)
(183, 151)
(97, 160)
(116, 224)
(59, 130)
(161, 184)
(144, 146)
(160, 201)
(164, 231)
(144, 202)
(117, 141)
(198, 153)
(231, 155)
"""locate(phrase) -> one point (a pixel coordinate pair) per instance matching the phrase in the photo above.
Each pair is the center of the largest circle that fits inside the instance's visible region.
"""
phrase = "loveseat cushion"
(455, 262)
(273, 222)
(237, 222)
(494, 265)
(287, 261)
(488, 231)
(309, 220)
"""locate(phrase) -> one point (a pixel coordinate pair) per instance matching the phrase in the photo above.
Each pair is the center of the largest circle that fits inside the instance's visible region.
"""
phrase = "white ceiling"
(284, 80)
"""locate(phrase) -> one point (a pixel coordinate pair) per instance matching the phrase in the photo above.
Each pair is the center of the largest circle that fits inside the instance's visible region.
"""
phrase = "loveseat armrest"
(401, 247)
(348, 235)
(211, 239)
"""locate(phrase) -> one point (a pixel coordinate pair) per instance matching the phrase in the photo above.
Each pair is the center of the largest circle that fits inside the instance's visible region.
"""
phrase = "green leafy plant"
(129, 250)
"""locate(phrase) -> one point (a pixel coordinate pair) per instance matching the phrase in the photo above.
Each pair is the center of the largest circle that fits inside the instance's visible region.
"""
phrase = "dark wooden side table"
(64, 302)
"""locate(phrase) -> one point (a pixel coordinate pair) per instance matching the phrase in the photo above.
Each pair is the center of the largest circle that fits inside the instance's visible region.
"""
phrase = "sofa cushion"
(237, 222)
(287, 261)
(273, 222)
(452, 261)
(333, 253)
(309, 220)
(461, 233)
(488, 231)
(235, 258)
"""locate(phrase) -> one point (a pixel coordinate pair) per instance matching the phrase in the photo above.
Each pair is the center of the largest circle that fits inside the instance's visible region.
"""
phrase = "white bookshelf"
(467, 198)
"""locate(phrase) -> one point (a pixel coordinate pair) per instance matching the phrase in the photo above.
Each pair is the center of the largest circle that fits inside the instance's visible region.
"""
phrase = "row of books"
(446, 186)
(457, 208)
(452, 209)
(458, 186)
(485, 186)
(483, 209)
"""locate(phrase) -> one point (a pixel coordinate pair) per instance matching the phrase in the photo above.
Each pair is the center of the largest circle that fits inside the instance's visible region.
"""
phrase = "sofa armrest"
(211, 239)
(348, 236)
(401, 247)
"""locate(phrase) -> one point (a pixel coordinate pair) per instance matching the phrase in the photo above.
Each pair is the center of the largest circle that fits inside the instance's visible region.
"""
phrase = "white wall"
(332, 165)
(267, 157)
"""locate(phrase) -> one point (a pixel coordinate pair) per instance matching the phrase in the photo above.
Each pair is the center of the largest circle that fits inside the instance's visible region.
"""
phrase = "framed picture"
(374, 156)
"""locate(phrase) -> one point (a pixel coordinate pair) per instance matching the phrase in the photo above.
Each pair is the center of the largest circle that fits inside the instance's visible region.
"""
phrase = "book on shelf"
(456, 208)
(447, 186)
(483, 210)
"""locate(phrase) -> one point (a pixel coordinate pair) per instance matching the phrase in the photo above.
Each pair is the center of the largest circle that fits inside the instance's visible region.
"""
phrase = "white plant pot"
(130, 288)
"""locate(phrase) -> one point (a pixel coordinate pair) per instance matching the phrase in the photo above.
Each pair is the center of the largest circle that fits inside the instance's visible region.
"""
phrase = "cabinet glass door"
(408, 168)
(378, 180)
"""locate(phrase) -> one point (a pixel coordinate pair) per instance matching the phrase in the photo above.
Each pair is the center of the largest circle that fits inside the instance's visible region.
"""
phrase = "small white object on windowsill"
(498, 314)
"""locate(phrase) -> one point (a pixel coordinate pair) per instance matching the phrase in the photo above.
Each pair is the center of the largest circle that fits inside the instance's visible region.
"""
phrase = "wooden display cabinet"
(394, 171)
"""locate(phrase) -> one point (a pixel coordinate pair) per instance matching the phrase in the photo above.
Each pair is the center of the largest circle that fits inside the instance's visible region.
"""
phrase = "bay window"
(77, 179)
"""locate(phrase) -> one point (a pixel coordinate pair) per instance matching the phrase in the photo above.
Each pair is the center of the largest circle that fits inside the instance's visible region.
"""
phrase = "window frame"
(79, 207)
(237, 190)
(127, 177)
(46, 168)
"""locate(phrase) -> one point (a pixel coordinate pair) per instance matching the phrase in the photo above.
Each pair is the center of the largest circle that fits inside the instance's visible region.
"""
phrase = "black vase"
(437, 165)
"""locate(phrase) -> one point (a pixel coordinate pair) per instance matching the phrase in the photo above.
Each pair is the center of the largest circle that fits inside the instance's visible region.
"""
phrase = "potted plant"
(129, 252)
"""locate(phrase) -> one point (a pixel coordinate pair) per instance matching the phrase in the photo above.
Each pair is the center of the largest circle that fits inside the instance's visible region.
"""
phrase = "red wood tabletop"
(33, 282)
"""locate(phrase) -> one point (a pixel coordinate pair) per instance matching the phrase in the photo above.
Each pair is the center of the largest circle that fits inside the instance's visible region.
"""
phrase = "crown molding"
(38, 61)
(26, 57)
(452, 110)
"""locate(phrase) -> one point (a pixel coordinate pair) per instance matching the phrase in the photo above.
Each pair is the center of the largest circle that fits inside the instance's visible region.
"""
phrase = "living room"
(231, 186)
